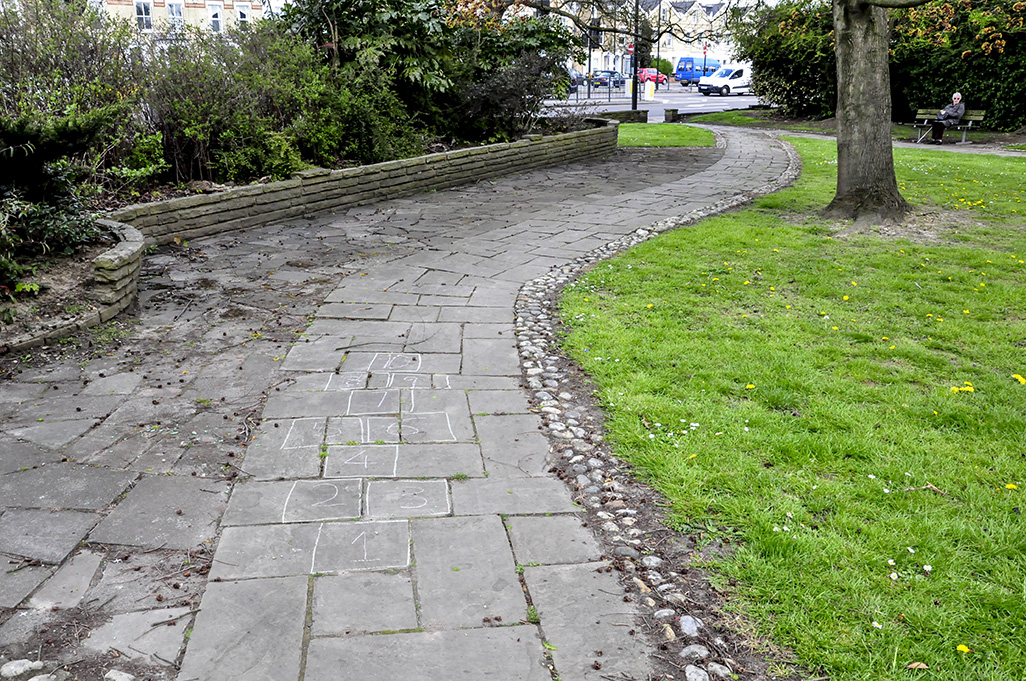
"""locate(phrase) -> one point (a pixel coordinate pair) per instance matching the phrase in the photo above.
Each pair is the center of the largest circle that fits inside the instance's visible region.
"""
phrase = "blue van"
(690, 69)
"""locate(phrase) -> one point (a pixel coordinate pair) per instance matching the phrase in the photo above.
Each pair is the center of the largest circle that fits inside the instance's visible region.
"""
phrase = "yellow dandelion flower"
(835, 328)
(650, 305)
(1011, 485)
(788, 307)
(1019, 378)
(846, 297)
(962, 648)
(749, 386)
(773, 288)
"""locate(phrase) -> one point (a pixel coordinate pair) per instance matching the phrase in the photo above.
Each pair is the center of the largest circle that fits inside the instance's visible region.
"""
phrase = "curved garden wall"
(313, 192)
(307, 194)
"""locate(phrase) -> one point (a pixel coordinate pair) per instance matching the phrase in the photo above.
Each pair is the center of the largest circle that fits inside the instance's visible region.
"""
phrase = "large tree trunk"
(866, 185)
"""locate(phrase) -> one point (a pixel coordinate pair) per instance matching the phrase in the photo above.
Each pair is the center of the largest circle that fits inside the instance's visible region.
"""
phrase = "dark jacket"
(951, 114)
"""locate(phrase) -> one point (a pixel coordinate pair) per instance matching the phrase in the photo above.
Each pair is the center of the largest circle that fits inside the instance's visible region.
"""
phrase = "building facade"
(148, 15)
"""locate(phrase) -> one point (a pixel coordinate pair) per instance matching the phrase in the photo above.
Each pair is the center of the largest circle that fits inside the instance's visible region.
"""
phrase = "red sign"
(630, 49)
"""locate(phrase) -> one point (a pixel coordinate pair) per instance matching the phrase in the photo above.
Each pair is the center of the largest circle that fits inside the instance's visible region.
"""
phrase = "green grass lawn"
(663, 135)
(852, 410)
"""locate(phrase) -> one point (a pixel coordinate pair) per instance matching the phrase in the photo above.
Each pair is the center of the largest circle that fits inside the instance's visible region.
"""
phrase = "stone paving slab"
(411, 313)
(293, 501)
(512, 446)
(409, 381)
(363, 602)
(165, 512)
(306, 405)
(133, 635)
(353, 430)
(354, 311)
(57, 407)
(498, 402)
(52, 433)
(248, 631)
(552, 540)
(408, 498)
(491, 357)
(118, 384)
(265, 551)
(68, 586)
(507, 653)
(582, 610)
(16, 455)
(434, 337)
(63, 485)
(511, 496)
(287, 448)
(354, 547)
(362, 461)
(465, 572)
(47, 536)
(403, 362)
(15, 583)
(440, 460)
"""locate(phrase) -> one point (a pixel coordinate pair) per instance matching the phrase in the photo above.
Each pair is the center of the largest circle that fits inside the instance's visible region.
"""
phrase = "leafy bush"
(500, 79)
(67, 78)
(979, 50)
(30, 228)
(937, 48)
(791, 49)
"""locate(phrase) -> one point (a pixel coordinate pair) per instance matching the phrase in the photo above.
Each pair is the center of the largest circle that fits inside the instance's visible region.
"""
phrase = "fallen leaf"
(916, 665)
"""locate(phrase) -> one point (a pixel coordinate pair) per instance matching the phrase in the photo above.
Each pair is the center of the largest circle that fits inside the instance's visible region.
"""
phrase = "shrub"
(68, 76)
(29, 228)
(790, 47)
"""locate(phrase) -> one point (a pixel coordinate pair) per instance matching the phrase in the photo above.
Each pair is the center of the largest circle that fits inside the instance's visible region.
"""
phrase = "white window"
(216, 16)
(143, 15)
(244, 14)
(175, 14)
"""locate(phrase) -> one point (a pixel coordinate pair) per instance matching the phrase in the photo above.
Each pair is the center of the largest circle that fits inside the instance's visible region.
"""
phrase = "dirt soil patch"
(64, 286)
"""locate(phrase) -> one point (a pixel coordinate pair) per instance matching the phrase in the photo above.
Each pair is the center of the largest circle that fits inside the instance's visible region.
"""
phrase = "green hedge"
(937, 48)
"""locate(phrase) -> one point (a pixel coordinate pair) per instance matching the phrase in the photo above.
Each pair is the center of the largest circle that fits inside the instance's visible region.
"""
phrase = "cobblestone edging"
(600, 481)
(114, 287)
(316, 191)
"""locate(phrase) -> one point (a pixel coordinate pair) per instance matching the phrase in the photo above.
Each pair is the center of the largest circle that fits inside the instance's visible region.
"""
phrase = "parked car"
(607, 79)
(690, 69)
(736, 78)
(576, 79)
(645, 75)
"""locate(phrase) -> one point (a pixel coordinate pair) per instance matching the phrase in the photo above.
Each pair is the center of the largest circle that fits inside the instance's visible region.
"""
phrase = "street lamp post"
(659, 40)
(634, 59)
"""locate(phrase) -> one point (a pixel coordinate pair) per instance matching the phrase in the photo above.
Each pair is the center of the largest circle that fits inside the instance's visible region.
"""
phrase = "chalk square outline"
(434, 482)
(395, 462)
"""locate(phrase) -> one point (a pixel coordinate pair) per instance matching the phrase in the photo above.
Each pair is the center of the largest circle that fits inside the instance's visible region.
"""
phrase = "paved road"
(672, 96)
(395, 519)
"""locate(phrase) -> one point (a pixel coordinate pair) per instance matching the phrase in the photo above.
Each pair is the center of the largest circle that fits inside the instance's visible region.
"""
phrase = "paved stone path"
(397, 520)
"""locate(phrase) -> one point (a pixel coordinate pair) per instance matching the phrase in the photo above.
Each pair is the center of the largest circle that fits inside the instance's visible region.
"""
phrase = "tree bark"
(867, 189)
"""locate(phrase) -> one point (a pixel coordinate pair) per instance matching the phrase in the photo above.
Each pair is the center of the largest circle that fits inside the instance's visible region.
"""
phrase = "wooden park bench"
(926, 117)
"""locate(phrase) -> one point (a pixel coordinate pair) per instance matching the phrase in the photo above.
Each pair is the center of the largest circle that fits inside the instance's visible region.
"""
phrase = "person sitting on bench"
(949, 116)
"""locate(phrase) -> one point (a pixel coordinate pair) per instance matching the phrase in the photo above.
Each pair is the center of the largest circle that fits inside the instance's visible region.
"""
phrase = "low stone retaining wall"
(307, 194)
(114, 287)
(318, 191)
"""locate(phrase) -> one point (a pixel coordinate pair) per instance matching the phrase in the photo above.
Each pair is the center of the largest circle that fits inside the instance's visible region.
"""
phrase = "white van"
(732, 78)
